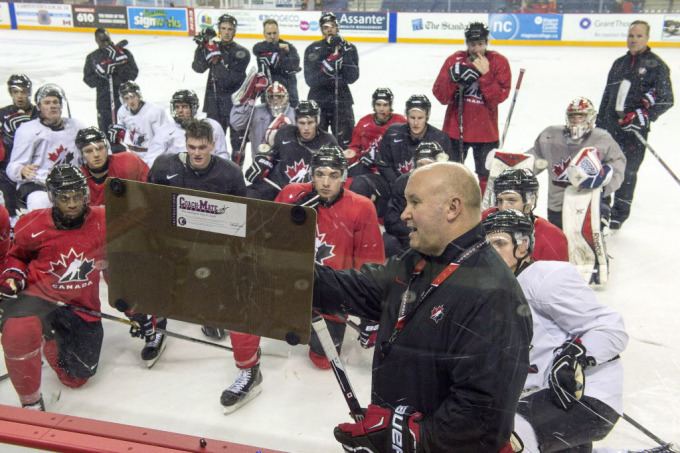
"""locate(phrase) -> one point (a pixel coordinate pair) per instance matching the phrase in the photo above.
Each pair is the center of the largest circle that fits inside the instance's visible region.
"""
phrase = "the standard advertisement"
(161, 19)
(43, 15)
(540, 27)
(4, 16)
(434, 27)
(99, 16)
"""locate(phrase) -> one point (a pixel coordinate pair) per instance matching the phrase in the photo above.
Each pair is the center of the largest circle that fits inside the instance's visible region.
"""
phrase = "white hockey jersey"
(35, 143)
(170, 139)
(141, 127)
(564, 307)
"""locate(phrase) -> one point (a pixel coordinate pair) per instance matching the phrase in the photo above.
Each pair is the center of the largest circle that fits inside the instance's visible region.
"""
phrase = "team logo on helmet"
(72, 271)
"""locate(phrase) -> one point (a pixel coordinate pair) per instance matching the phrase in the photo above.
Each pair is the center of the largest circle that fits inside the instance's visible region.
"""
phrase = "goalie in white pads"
(573, 392)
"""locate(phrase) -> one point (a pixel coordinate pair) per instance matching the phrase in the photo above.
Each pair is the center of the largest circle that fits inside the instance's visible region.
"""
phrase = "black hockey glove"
(567, 380)
(143, 327)
(637, 120)
(332, 64)
(369, 333)
(463, 73)
(116, 134)
(260, 168)
(381, 430)
(204, 36)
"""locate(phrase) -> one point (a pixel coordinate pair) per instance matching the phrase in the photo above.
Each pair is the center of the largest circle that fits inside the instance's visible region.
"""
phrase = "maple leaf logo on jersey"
(72, 270)
(324, 250)
(560, 171)
(139, 140)
(55, 155)
(405, 167)
(297, 172)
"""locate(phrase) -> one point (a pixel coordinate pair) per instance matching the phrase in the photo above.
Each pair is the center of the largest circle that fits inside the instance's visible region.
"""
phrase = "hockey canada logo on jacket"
(297, 172)
(437, 313)
(405, 167)
(324, 250)
(72, 271)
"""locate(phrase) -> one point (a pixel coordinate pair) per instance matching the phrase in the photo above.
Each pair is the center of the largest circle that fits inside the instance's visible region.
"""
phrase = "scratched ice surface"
(300, 405)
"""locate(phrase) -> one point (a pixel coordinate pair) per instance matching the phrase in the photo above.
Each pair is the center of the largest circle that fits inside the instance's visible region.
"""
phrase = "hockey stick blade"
(321, 329)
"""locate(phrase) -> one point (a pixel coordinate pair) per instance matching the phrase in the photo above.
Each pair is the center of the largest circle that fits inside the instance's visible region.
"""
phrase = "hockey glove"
(267, 60)
(255, 87)
(369, 333)
(212, 52)
(13, 282)
(116, 134)
(206, 35)
(143, 327)
(332, 64)
(381, 430)
(637, 121)
(648, 100)
(277, 123)
(463, 73)
(260, 168)
(567, 380)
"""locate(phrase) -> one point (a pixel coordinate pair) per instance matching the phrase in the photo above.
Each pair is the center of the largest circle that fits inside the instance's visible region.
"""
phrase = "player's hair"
(200, 130)
(270, 21)
(640, 22)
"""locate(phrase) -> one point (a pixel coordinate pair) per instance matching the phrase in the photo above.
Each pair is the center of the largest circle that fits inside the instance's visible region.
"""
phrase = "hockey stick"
(321, 329)
(512, 107)
(661, 161)
(113, 101)
(461, 102)
(241, 151)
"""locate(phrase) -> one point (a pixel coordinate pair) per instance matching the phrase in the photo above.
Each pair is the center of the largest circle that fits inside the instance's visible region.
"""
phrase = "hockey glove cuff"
(637, 120)
(567, 379)
(382, 429)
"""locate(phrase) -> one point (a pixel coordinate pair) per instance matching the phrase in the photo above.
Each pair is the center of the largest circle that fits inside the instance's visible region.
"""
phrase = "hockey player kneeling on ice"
(518, 189)
(558, 145)
(54, 265)
(573, 393)
(348, 233)
(40, 144)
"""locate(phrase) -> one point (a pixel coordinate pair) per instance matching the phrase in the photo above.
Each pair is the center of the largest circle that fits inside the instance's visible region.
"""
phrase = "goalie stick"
(319, 326)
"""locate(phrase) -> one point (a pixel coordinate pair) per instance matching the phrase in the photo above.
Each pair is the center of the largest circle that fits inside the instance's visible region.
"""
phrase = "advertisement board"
(99, 16)
(4, 16)
(157, 19)
(670, 30)
(511, 27)
(412, 27)
(43, 15)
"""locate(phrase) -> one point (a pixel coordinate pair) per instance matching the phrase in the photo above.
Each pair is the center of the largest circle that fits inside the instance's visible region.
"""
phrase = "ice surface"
(300, 404)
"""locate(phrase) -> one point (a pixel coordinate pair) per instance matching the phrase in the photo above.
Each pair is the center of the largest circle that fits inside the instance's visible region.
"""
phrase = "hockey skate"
(214, 332)
(37, 406)
(153, 349)
(246, 387)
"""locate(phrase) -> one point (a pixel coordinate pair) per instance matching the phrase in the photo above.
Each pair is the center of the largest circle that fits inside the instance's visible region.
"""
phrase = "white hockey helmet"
(580, 117)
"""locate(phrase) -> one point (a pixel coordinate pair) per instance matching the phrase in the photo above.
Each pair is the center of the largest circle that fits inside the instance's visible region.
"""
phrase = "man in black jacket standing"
(638, 91)
(106, 69)
(452, 351)
(278, 60)
(226, 63)
(331, 65)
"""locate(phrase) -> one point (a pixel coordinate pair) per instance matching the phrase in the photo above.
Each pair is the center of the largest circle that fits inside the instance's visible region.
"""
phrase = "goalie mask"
(580, 118)
(520, 181)
(277, 98)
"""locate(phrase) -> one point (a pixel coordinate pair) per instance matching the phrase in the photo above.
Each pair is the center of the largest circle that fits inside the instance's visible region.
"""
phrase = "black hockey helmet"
(418, 101)
(476, 31)
(307, 108)
(383, 94)
(129, 87)
(430, 150)
(184, 97)
(49, 89)
(327, 17)
(513, 222)
(88, 136)
(329, 156)
(65, 178)
(20, 81)
(522, 180)
(227, 18)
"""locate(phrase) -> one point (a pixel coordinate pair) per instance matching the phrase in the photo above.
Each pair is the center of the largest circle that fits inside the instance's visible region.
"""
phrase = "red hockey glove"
(567, 380)
(255, 87)
(381, 430)
(637, 120)
(332, 64)
(212, 52)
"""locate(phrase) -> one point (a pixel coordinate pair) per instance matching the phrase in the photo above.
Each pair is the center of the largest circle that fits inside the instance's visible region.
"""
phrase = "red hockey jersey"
(367, 134)
(481, 99)
(347, 232)
(125, 165)
(61, 265)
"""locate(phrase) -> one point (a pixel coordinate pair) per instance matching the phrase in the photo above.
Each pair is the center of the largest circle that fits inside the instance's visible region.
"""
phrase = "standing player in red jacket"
(56, 257)
(362, 174)
(484, 78)
(348, 234)
(99, 164)
(518, 189)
